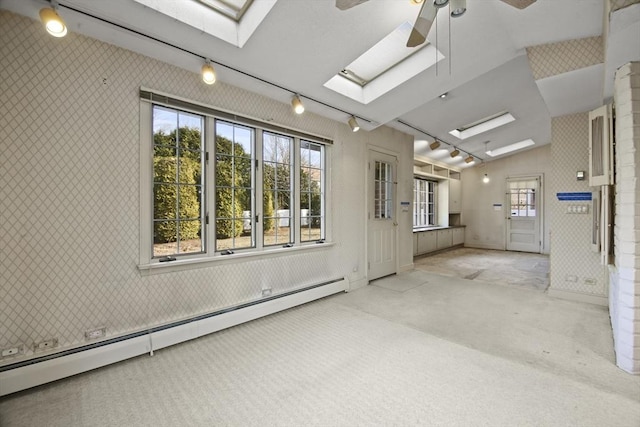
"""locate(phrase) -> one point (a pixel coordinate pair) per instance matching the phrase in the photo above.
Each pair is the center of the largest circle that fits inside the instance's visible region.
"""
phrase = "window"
(277, 189)
(311, 191)
(424, 202)
(220, 184)
(234, 182)
(177, 182)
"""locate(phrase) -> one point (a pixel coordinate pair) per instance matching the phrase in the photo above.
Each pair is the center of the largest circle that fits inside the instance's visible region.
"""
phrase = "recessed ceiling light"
(483, 125)
(509, 148)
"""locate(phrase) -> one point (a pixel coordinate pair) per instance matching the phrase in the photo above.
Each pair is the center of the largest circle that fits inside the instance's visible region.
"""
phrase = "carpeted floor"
(413, 349)
(498, 267)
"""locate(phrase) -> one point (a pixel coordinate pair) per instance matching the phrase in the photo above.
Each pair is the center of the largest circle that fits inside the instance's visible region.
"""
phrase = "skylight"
(384, 55)
(510, 148)
(482, 125)
(233, 21)
(234, 9)
(384, 66)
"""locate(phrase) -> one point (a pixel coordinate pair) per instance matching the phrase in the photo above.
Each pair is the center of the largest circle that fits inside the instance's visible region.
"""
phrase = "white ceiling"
(301, 44)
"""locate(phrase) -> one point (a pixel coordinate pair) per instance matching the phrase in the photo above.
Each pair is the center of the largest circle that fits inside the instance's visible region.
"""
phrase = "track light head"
(458, 8)
(297, 105)
(355, 127)
(440, 3)
(208, 74)
(455, 152)
(53, 22)
(435, 145)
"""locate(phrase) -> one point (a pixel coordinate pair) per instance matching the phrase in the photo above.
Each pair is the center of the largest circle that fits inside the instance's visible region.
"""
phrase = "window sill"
(205, 262)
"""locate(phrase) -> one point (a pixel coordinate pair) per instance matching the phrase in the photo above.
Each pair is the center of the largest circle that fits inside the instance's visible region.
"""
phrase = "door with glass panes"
(523, 221)
(381, 215)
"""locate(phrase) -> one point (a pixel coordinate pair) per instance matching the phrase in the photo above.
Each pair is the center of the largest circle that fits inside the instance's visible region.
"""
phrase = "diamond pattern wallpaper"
(69, 194)
(548, 60)
(573, 264)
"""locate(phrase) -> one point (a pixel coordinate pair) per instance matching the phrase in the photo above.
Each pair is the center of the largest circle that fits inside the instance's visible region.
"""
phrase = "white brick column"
(624, 298)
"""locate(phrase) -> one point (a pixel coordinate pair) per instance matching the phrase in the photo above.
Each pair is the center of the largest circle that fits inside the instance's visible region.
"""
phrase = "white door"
(381, 215)
(523, 222)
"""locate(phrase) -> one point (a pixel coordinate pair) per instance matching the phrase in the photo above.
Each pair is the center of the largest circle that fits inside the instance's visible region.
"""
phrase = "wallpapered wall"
(69, 214)
(571, 253)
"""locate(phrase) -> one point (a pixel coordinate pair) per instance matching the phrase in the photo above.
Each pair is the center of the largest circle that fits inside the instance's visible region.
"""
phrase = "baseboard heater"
(33, 372)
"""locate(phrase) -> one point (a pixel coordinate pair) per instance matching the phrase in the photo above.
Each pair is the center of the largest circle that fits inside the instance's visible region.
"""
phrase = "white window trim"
(148, 265)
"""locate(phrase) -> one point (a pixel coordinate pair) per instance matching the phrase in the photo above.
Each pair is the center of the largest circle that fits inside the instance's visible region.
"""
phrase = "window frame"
(434, 205)
(148, 264)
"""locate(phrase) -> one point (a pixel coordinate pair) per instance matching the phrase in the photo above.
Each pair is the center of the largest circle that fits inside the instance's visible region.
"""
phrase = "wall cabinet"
(435, 240)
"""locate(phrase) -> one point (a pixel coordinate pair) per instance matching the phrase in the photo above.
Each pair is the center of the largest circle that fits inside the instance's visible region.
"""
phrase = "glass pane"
(283, 200)
(189, 233)
(224, 138)
(165, 169)
(243, 142)
(165, 239)
(223, 168)
(315, 156)
(283, 178)
(165, 123)
(242, 172)
(190, 167)
(165, 201)
(315, 204)
(188, 202)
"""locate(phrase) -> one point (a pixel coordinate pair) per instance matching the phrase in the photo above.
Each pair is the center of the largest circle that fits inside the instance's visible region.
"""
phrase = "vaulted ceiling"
(553, 58)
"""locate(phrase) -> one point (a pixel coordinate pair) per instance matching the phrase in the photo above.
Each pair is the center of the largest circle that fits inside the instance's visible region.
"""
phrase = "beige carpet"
(336, 362)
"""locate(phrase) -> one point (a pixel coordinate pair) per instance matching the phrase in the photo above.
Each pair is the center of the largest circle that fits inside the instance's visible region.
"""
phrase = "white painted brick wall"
(624, 296)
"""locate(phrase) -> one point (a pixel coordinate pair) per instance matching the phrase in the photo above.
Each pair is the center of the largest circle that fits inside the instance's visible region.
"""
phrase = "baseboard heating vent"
(33, 372)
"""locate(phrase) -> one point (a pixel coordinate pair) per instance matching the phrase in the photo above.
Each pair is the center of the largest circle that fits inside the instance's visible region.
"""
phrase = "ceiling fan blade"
(348, 4)
(423, 24)
(519, 4)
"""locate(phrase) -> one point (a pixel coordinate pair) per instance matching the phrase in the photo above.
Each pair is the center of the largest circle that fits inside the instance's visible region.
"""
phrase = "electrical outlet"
(11, 351)
(590, 281)
(46, 345)
(571, 278)
(94, 334)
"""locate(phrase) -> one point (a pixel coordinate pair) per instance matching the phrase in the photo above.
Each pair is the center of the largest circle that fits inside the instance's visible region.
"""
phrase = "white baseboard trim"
(31, 375)
(574, 296)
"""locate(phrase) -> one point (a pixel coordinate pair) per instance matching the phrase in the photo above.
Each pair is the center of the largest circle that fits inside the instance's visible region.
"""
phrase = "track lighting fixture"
(355, 127)
(458, 8)
(469, 159)
(208, 73)
(440, 3)
(417, 1)
(53, 22)
(297, 104)
(435, 145)
(485, 179)
(455, 152)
